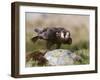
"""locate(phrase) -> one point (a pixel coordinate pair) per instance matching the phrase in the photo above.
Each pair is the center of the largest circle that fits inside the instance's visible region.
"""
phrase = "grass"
(84, 53)
(81, 49)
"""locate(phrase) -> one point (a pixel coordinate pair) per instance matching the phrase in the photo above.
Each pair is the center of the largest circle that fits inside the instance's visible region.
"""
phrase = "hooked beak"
(68, 41)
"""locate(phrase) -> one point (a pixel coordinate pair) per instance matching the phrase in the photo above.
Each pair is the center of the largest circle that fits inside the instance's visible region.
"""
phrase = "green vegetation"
(81, 49)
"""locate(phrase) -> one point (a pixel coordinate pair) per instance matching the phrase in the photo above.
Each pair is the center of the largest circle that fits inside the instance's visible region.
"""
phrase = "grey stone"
(60, 57)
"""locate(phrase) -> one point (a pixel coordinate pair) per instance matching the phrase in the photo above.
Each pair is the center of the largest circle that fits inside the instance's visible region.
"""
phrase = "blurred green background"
(78, 25)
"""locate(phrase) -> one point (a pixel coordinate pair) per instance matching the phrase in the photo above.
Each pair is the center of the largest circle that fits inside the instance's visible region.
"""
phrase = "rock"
(60, 57)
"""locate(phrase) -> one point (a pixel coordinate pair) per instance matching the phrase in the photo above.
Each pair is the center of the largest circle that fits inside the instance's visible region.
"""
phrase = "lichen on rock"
(60, 57)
